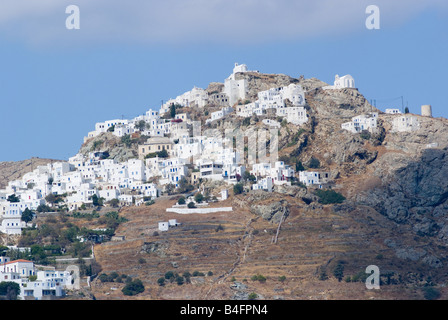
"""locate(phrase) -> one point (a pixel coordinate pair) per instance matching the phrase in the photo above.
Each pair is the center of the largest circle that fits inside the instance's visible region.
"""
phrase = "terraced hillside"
(236, 246)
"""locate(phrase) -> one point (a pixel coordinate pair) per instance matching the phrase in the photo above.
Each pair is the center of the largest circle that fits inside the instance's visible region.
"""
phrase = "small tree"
(126, 140)
(169, 188)
(338, 271)
(181, 200)
(172, 110)
(43, 208)
(198, 197)
(191, 205)
(9, 289)
(27, 215)
(97, 201)
(299, 166)
(13, 198)
(51, 198)
(238, 188)
(133, 288)
(162, 154)
(114, 202)
(141, 125)
(169, 275)
(179, 280)
(314, 163)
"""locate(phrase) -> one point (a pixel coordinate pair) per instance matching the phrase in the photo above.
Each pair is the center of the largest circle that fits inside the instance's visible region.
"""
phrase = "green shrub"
(238, 188)
(133, 288)
(253, 296)
(191, 205)
(338, 271)
(179, 280)
(361, 276)
(198, 197)
(259, 278)
(323, 275)
(314, 163)
(365, 135)
(329, 196)
(9, 289)
(431, 293)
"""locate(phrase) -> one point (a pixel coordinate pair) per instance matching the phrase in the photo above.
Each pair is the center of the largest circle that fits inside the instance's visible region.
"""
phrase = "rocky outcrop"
(416, 193)
(272, 212)
(107, 142)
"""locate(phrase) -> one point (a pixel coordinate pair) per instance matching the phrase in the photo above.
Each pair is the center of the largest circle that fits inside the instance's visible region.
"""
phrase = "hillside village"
(173, 153)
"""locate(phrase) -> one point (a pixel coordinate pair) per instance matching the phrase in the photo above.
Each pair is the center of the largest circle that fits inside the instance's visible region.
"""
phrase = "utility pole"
(402, 104)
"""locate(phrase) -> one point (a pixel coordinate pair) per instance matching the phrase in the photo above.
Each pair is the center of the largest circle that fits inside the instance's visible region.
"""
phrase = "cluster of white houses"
(35, 284)
(187, 158)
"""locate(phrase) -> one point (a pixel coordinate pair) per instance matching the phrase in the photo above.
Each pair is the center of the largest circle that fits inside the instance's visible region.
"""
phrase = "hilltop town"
(241, 138)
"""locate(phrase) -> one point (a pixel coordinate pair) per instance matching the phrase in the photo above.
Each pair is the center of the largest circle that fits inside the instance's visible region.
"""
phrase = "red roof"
(19, 260)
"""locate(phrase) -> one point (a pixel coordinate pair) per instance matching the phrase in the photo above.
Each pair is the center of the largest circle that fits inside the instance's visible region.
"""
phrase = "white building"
(234, 89)
(346, 81)
(313, 178)
(11, 222)
(164, 226)
(405, 123)
(48, 284)
(220, 114)
(275, 98)
(196, 96)
(264, 184)
(271, 123)
(362, 122)
(393, 111)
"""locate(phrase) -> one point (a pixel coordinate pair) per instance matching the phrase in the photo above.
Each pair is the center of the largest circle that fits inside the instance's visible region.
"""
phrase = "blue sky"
(55, 84)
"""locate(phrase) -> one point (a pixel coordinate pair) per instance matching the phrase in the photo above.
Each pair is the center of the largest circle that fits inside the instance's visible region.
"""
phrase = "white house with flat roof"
(405, 123)
(393, 111)
(309, 178)
(362, 122)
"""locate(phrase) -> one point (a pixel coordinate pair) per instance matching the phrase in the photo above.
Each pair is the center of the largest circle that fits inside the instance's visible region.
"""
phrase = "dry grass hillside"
(311, 241)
